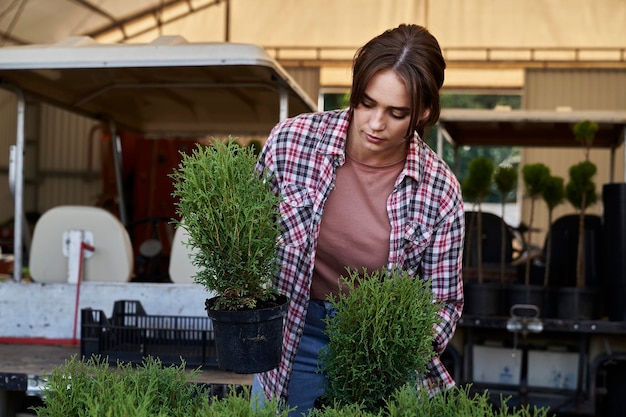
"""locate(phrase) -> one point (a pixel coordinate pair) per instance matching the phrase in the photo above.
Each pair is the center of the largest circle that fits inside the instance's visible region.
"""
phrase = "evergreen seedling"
(230, 213)
(381, 337)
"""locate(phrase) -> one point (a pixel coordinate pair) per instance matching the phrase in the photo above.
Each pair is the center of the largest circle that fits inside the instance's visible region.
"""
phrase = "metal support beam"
(16, 183)
(284, 103)
(117, 162)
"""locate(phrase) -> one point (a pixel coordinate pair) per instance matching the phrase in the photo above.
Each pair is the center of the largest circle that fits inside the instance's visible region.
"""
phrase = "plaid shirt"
(425, 211)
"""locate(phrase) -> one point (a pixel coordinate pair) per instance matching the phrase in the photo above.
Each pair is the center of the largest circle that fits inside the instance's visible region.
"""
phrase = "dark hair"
(414, 54)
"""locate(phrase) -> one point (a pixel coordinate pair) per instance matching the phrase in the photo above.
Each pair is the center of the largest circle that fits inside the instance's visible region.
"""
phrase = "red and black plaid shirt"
(425, 211)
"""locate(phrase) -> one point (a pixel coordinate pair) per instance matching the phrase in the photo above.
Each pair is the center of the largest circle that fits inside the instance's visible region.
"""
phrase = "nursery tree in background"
(505, 179)
(553, 194)
(476, 187)
(581, 193)
(581, 190)
(585, 133)
(535, 177)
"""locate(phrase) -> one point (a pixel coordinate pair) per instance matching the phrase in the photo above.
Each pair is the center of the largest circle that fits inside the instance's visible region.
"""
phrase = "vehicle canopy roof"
(169, 87)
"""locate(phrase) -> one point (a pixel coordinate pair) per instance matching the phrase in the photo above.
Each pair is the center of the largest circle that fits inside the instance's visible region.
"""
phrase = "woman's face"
(379, 123)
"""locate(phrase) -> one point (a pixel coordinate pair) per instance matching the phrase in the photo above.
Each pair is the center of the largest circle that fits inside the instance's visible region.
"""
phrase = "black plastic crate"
(130, 334)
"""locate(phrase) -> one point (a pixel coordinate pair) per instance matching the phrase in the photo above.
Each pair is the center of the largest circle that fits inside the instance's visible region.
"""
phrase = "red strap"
(83, 247)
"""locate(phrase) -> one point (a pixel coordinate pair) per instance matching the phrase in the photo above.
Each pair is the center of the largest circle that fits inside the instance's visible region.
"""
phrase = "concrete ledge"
(34, 310)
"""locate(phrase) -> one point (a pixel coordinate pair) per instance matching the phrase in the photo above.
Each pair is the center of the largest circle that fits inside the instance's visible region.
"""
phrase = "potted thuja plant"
(231, 216)
(380, 337)
(534, 177)
(505, 179)
(580, 191)
(380, 344)
(481, 298)
(553, 194)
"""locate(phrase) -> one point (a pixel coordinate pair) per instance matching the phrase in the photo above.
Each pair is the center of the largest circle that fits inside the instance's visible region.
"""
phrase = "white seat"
(181, 269)
(112, 259)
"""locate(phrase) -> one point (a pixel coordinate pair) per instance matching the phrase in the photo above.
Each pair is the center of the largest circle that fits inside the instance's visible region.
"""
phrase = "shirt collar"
(334, 143)
(413, 164)
(335, 133)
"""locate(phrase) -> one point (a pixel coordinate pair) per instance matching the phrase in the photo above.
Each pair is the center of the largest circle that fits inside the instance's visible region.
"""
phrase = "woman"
(361, 189)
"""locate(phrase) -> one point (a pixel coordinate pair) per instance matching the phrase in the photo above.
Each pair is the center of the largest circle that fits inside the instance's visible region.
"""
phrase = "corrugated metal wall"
(8, 117)
(69, 159)
(61, 161)
(580, 89)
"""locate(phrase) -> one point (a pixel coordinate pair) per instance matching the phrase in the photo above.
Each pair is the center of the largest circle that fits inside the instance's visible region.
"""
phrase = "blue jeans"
(306, 382)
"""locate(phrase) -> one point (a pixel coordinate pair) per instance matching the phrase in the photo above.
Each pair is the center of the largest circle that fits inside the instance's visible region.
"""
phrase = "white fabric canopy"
(481, 38)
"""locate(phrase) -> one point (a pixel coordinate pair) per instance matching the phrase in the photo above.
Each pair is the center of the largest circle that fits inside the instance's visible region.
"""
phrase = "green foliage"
(256, 146)
(479, 179)
(479, 101)
(90, 388)
(243, 405)
(505, 178)
(230, 213)
(460, 157)
(535, 177)
(580, 191)
(345, 410)
(333, 101)
(585, 132)
(553, 192)
(456, 402)
(409, 401)
(380, 338)
(581, 188)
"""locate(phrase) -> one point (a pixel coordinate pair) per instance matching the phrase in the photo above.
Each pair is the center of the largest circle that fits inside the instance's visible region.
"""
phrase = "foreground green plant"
(380, 338)
(241, 405)
(455, 402)
(90, 388)
(230, 214)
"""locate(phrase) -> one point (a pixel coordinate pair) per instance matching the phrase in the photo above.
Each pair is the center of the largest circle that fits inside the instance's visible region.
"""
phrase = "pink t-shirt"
(355, 228)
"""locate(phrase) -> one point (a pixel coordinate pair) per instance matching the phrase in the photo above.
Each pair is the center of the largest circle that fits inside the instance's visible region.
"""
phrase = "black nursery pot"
(577, 303)
(536, 295)
(483, 299)
(248, 341)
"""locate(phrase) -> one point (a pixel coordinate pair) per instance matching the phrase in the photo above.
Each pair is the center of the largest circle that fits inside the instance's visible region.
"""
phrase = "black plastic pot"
(537, 295)
(577, 303)
(483, 299)
(248, 341)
